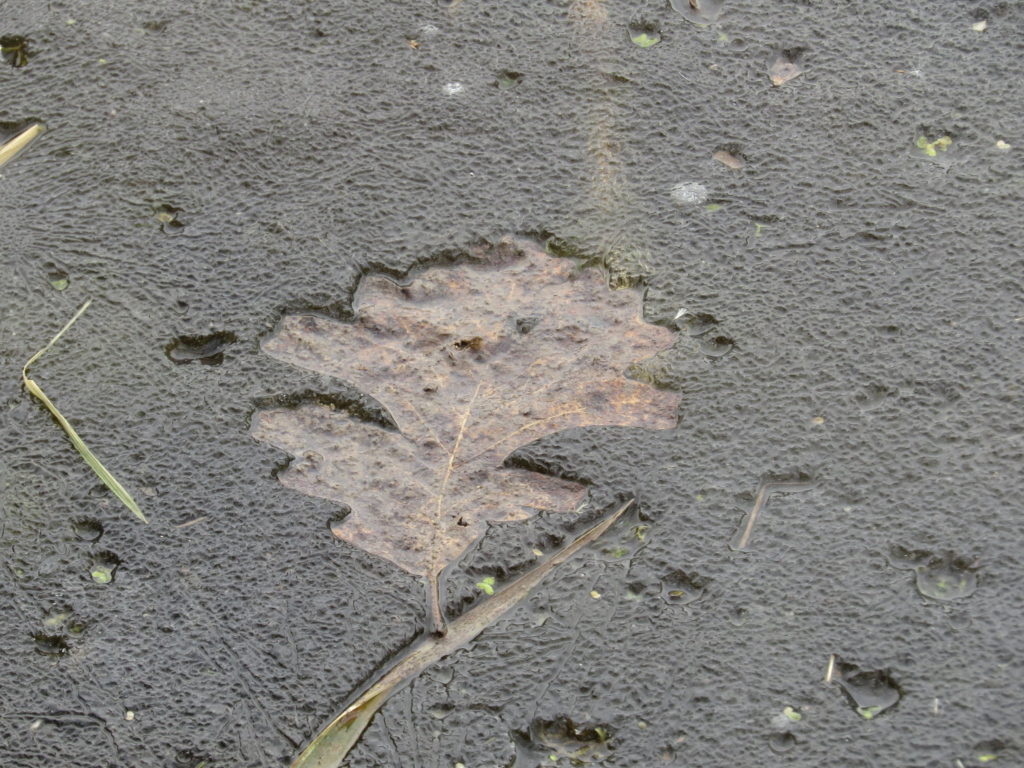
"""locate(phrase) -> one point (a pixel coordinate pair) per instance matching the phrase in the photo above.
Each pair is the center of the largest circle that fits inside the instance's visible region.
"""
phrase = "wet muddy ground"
(850, 266)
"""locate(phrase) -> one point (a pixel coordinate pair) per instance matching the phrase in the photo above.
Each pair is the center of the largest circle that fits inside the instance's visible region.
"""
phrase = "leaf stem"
(437, 625)
(329, 747)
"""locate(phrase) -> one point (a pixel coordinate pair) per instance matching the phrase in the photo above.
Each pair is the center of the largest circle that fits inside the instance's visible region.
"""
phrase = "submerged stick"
(10, 149)
(90, 458)
(334, 742)
(766, 489)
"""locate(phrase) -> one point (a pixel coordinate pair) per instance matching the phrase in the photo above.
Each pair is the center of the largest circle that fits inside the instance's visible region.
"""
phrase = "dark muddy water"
(854, 318)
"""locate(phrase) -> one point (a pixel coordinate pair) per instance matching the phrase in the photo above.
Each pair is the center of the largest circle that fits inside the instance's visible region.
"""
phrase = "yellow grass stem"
(90, 458)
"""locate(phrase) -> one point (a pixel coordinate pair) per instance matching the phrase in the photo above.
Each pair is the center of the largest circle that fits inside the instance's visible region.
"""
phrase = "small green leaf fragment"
(602, 734)
(640, 531)
(101, 574)
(486, 585)
(620, 552)
(792, 714)
(932, 148)
(868, 712)
(987, 758)
(61, 283)
(645, 40)
(712, 207)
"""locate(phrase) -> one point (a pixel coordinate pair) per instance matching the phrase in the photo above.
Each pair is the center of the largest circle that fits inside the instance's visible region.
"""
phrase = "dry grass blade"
(13, 147)
(333, 743)
(90, 458)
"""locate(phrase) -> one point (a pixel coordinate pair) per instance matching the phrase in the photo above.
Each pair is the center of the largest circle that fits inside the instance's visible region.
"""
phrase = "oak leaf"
(471, 362)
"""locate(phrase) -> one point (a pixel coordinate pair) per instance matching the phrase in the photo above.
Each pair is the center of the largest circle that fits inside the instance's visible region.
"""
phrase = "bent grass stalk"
(90, 458)
(329, 748)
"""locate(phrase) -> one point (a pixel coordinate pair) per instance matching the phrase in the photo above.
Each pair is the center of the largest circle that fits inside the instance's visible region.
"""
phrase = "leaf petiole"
(329, 747)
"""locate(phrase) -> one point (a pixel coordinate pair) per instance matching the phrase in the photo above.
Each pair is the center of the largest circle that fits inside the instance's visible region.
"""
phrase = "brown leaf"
(471, 361)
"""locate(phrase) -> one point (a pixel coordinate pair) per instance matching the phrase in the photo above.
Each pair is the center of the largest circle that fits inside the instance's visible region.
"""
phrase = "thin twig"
(766, 489)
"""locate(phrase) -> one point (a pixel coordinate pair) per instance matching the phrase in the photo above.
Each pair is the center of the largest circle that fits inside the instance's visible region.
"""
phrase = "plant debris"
(12, 148)
(90, 458)
(15, 50)
(729, 158)
(783, 66)
(329, 748)
(932, 148)
(767, 488)
(470, 362)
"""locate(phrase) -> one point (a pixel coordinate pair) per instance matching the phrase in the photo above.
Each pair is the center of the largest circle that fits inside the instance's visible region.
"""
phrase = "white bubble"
(451, 89)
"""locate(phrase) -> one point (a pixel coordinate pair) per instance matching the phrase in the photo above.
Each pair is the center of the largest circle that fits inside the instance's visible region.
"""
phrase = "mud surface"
(854, 317)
